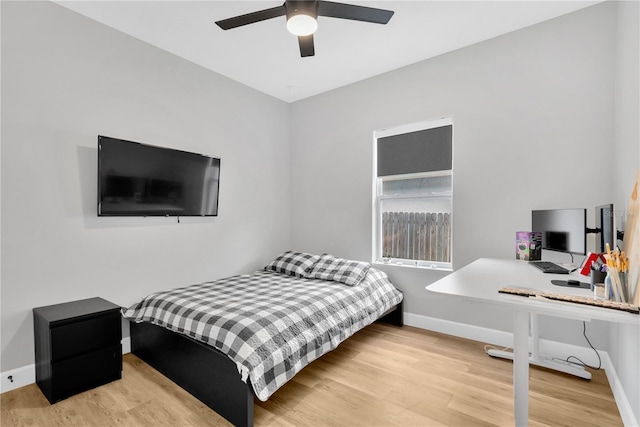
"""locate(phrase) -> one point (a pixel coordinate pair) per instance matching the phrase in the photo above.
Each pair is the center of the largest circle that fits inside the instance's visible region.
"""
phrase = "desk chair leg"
(521, 367)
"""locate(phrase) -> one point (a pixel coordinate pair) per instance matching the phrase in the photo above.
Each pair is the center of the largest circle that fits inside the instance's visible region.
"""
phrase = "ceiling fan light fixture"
(302, 18)
(302, 25)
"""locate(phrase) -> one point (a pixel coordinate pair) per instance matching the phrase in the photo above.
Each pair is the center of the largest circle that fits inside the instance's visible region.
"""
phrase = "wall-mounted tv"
(563, 230)
(136, 179)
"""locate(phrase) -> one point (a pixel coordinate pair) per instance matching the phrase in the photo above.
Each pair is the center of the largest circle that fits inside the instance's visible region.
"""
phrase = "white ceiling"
(266, 57)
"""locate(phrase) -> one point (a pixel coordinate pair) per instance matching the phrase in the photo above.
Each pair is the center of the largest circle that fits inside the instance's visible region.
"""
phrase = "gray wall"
(534, 127)
(66, 79)
(625, 340)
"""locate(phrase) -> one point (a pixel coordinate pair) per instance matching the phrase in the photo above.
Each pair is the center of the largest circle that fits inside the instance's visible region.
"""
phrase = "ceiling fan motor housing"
(301, 7)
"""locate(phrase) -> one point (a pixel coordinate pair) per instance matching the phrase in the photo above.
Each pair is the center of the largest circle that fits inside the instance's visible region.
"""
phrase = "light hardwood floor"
(382, 376)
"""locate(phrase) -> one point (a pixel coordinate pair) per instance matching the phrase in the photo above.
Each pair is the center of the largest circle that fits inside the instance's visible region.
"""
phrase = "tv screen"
(136, 179)
(563, 230)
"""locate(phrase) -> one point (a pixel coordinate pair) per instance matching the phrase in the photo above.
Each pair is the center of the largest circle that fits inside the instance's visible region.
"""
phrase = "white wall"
(66, 79)
(625, 339)
(515, 100)
(534, 127)
(530, 110)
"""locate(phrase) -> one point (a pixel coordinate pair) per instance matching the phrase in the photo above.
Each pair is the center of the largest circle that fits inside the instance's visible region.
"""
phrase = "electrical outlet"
(16, 378)
(7, 382)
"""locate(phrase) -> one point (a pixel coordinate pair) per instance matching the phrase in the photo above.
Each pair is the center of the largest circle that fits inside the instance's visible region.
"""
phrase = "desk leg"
(521, 367)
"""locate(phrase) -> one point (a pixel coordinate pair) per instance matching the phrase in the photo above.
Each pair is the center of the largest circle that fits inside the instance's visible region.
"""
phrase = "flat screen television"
(563, 230)
(605, 228)
(136, 179)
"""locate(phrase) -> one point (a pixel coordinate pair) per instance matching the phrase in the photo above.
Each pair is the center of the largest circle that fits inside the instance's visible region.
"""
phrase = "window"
(413, 193)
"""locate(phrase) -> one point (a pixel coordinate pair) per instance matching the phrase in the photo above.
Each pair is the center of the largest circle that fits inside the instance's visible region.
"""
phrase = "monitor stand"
(571, 284)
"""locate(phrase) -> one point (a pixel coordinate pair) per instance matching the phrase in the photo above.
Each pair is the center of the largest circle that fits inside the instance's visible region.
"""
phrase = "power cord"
(580, 362)
(568, 359)
(491, 347)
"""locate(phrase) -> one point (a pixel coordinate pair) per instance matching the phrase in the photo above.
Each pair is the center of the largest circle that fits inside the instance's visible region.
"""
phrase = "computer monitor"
(563, 230)
(605, 227)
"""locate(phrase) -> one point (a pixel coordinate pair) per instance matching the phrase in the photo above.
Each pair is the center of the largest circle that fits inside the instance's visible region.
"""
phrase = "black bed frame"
(203, 371)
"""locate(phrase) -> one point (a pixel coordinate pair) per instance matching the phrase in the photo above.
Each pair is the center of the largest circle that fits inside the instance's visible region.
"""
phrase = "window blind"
(426, 150)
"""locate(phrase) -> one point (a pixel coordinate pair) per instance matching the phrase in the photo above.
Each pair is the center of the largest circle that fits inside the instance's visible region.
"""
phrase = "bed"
(232, 339)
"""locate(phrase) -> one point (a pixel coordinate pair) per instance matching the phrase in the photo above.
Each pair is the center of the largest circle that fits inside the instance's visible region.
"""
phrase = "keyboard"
(531, 293)
(549, 267)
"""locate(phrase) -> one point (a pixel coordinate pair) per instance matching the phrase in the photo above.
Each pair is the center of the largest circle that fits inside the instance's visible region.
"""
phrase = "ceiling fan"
(302, 18)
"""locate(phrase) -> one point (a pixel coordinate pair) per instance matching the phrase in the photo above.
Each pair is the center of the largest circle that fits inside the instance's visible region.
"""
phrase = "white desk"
(481, 280)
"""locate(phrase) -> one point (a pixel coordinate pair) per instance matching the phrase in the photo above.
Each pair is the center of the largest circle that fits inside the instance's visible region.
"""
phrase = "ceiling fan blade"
(306, 45)
(356, 13)
(250, 18)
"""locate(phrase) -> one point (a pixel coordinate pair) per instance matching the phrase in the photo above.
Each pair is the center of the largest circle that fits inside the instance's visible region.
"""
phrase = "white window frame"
(378, 197)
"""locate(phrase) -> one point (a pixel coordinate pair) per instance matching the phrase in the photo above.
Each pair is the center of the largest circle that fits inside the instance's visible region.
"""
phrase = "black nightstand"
(78, 346)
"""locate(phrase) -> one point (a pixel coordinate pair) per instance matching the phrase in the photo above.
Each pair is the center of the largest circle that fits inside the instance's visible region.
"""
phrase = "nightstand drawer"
(85, 372)
(90, 334)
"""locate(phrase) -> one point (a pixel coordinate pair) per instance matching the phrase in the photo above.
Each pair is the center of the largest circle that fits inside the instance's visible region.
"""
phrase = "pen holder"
(597, 284)
(616, 286)
(597, 277)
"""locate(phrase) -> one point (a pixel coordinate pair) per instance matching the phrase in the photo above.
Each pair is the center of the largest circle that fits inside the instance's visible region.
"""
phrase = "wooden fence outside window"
(417, 236)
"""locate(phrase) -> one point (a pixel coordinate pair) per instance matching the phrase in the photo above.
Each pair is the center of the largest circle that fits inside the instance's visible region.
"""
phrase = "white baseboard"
(25, 375)
(550, 348)
(624, 407)
(126, 345)
(17, 378)
(475, 333)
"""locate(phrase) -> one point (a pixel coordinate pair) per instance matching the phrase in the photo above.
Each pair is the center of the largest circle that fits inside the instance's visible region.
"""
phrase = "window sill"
(433, 267)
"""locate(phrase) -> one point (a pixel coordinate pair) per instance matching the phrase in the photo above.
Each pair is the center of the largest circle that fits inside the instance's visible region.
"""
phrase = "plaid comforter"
(271, 325)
